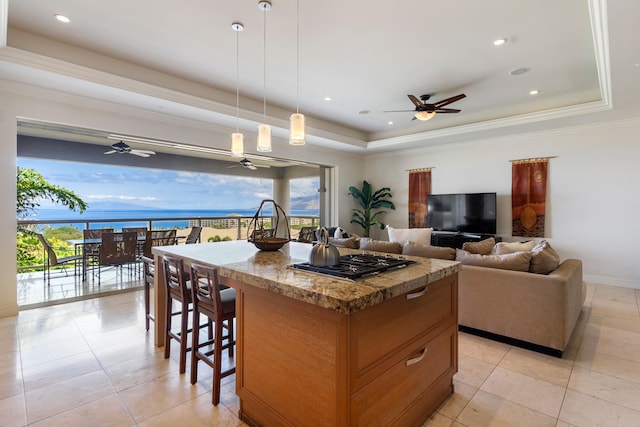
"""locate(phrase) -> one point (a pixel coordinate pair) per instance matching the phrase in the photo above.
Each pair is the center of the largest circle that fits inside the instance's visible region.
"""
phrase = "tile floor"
(66, 287)
(90, 363)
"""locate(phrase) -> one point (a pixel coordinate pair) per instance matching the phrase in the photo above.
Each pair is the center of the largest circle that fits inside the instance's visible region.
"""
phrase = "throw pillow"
(402, 235)
(350, 243)
(428, 251)
(518, 261)
(368, 244)
(502, 248)
(545, 259)
(483, 247)
(340, 233)
(332, 232)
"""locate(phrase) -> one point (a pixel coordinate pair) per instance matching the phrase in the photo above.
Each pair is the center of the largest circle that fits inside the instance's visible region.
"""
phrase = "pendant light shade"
(264, 138)
(296, 130)
(296, 121)
(237, 144)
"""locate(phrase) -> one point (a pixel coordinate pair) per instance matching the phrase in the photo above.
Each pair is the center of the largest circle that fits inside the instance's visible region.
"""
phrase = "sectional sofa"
(519, 293)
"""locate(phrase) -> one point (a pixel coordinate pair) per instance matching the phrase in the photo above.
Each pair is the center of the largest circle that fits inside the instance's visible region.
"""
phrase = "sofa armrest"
(537, 308)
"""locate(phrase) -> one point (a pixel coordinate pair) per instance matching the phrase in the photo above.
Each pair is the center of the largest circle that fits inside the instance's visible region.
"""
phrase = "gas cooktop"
(357, 265)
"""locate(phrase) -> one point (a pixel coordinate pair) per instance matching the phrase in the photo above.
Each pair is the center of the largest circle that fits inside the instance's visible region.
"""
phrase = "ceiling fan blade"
(139, 153)
(110, 152)
(446, 110)
(398, 111)
(449, 100)
(415, 101)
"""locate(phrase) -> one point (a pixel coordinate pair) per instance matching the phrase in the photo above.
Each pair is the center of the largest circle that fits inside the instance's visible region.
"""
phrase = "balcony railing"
(214, 227)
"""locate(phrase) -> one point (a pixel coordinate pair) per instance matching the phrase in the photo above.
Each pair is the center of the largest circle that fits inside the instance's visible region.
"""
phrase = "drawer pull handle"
(416, 359)
(418, 294)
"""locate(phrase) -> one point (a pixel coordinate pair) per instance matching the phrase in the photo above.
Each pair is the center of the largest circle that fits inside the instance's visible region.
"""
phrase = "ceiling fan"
(424, 111)
(122, 148)
(246, 163)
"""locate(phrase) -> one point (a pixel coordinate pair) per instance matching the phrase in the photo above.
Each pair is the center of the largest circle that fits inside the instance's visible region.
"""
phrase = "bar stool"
(178, 289)
(217, 305)
(149, 273)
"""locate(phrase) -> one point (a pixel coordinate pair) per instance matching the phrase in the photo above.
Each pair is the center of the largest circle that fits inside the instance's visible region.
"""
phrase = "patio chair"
(92, 250)
(51, 259)
(158, 238)
(194, 235)
(306, 234)
(117, 250)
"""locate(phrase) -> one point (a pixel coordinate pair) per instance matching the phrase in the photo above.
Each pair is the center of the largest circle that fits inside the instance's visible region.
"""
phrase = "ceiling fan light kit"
(425, 115)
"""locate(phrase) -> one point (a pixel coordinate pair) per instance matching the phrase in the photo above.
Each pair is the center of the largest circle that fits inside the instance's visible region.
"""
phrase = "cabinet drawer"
(387, 398)
(385, 327)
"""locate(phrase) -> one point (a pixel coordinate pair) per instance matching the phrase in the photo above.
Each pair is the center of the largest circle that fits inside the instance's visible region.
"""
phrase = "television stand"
(456, 240)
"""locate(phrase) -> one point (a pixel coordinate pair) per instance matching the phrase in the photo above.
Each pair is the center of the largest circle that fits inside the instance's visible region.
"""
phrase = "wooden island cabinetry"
(319, 351)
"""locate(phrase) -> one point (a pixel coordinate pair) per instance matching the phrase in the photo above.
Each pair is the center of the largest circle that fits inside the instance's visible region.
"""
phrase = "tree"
(369, 200)
(33, 188)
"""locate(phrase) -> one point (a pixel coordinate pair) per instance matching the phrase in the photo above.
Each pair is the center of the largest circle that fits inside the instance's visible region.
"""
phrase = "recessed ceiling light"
(364, 112)
(62, 18)
(389, 123)
(534, 92)
(327, 98)
(500, 42)
(520, 71)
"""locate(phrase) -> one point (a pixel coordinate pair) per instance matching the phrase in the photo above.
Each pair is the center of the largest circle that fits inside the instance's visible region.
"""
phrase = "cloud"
(161, 189)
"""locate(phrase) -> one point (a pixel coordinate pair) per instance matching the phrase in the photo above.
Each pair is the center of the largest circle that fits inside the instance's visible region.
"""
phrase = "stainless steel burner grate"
(357, 265)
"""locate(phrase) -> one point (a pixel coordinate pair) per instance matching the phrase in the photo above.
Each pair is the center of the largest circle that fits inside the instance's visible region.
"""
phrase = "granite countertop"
(241, 261)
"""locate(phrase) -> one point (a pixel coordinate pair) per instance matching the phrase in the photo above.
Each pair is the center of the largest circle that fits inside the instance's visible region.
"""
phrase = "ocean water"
(129, 215)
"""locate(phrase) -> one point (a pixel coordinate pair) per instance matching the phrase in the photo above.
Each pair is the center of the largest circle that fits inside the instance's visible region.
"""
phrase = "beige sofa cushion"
(502, 248)
(350, 243)
(545, 259)
(518, 261)
(368, 244)
(417, 235)
(428, 251)
(483, 247)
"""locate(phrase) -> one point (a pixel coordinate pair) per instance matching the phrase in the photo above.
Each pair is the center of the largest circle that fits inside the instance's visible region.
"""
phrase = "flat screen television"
(472, 213)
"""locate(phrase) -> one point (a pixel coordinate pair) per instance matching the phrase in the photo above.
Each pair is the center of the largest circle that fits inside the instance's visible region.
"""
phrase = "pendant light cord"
(297, 55)
(237, 81)
(264, 68)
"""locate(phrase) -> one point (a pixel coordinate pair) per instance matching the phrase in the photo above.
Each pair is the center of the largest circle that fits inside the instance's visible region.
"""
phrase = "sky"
(102, 186)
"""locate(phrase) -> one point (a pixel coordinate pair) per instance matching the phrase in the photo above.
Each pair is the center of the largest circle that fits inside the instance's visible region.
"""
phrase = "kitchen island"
(319, 350)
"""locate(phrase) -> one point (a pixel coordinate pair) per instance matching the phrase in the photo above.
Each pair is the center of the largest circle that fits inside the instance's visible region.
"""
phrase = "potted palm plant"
(369, 200)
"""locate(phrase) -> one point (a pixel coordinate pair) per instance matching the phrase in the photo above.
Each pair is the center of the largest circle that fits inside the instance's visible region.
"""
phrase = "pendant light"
(296, 130)
(264, 130)
(237, 139)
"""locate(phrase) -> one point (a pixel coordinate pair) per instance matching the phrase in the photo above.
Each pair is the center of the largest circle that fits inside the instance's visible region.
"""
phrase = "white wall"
(33, 103)
(593, 204)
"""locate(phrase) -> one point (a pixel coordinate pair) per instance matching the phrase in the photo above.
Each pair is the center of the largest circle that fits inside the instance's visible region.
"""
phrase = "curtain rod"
(533, 159)
(419, 170)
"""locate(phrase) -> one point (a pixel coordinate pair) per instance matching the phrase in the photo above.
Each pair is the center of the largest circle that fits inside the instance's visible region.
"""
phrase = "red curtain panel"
(528, 195)
(419, 190)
